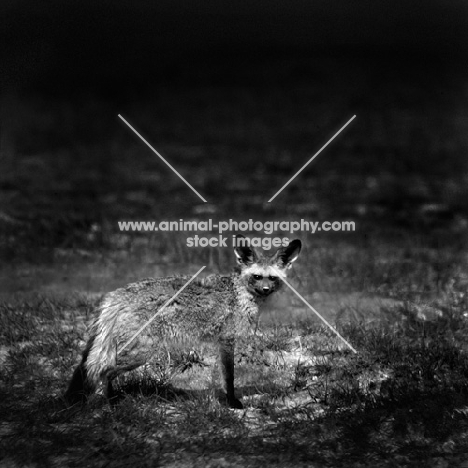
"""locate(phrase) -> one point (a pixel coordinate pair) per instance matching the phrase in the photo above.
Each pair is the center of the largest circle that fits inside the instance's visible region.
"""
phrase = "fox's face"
(261, 273)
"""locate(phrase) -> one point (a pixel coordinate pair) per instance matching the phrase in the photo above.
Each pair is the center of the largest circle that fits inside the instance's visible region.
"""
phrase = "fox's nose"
(266, 288)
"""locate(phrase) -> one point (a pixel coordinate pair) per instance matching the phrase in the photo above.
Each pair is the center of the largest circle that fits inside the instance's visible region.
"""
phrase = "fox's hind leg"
(89, 374)
(227, 369)
(114, 372)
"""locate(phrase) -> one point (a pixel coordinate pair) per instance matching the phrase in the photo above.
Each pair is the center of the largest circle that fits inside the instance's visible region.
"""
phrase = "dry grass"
(402, 399)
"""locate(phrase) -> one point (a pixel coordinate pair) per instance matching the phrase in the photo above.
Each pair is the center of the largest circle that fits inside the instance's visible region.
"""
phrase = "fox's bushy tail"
(100, 354)
(80, 385)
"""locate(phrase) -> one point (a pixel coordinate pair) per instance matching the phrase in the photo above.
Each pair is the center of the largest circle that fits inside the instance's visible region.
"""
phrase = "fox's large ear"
(245, 254)
(286, 255)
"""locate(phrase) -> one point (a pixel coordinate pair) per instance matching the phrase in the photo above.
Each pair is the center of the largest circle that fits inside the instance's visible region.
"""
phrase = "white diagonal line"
(312, 158)
(161, 309)
(157, 154)
(281, 276)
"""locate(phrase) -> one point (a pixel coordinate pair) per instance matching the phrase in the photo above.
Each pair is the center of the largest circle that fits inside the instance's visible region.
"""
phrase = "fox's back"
(208, 308)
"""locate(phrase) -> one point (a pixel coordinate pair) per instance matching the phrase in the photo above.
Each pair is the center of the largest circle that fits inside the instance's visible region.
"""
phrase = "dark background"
(237, 96)
(126, 46)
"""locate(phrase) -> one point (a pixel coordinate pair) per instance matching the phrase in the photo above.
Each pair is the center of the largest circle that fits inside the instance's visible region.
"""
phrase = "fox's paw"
(234, 403)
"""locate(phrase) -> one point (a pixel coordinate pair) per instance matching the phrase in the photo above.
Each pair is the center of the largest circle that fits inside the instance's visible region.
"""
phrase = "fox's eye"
(272, 278)
(258, 277)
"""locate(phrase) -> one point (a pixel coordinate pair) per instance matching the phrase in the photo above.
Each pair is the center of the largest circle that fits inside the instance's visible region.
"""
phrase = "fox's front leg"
(227, 369)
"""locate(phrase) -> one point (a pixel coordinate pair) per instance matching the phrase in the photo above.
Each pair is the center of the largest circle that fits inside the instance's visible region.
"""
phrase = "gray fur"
(217, 308)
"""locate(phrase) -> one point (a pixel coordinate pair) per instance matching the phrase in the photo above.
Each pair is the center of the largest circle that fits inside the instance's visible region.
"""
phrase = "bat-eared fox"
(217, 308)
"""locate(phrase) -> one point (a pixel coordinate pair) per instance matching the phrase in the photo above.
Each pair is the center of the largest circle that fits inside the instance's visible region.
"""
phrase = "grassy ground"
(396, 288)
(400, 401)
